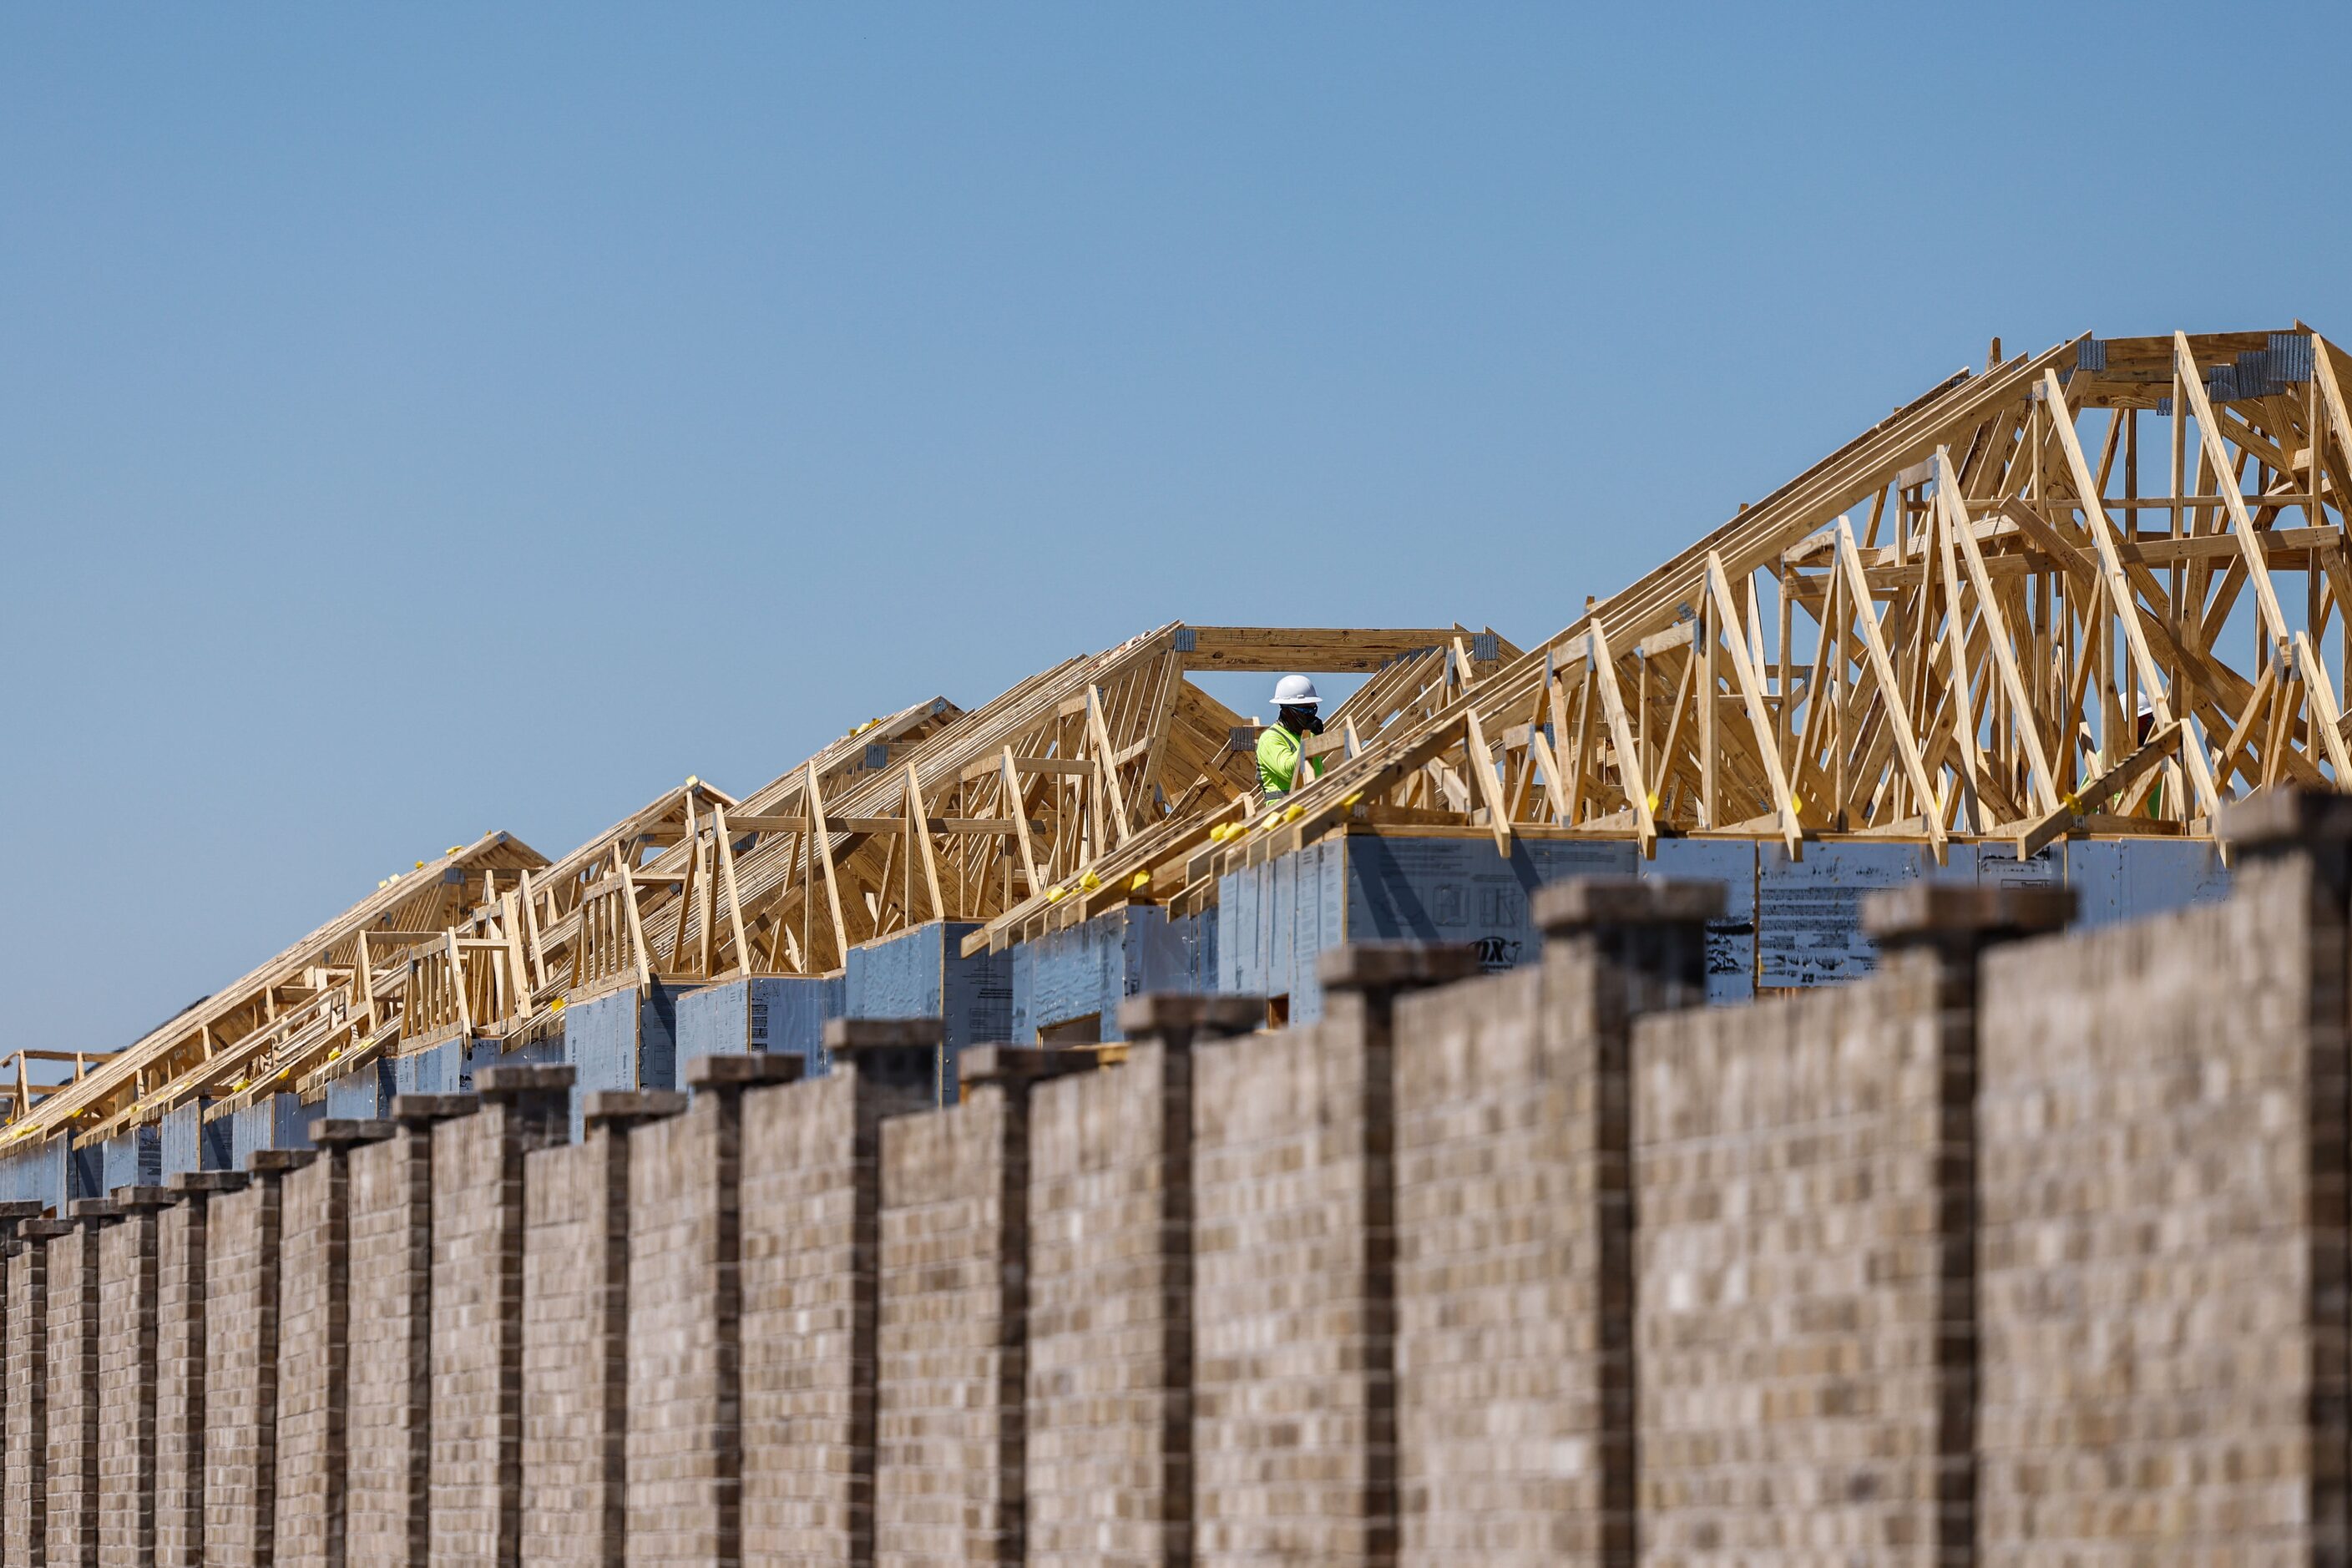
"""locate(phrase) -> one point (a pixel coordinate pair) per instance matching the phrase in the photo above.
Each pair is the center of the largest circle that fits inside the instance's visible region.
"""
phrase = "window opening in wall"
(1082, 1030)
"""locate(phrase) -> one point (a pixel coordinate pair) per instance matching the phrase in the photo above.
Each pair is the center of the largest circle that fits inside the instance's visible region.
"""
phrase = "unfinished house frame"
(1042, 796)
(337, 990)
(929, 814)
(2088, 590)
(2095, 590)
(491, 940)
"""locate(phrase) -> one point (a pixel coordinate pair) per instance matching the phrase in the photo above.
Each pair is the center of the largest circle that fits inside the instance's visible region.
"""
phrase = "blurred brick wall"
(2037, 1252)
(2164, 1234)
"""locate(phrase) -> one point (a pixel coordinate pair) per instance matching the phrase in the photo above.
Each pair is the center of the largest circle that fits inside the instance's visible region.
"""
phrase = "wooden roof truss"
(2088, 590)
(2102, 588)
(1038, 796)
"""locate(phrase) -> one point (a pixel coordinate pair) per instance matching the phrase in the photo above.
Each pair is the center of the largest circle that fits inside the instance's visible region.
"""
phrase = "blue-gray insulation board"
(273, 1122)
(2117, 879)
(780, 1013)
(545, 1051)
(1808, 913)
(1276, 917)
(362, 1094)
(922, 973)
(435, 1069)
(621, 1040)
(1784, 923)
(43, 1175)
(133, 1159)
(1085, 970)
(1273, 918)
(192, 1144)
(1731, 936)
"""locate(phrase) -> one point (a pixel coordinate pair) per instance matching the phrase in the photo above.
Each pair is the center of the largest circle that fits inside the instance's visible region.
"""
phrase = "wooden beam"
(1481, 761)
(2004, 656)
(915, 806)
(729, 887)
(1905, 735)
(1620, 735)
(2326, 718)
(1105, 756)
(1752, 689)
(821, 851)
(2192, 383)
(1306, 649)
(1017, 808)
(2119, 590)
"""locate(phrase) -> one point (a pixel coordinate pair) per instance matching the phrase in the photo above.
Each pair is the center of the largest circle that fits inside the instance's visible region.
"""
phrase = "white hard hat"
(1296, 691)
(2146, 706)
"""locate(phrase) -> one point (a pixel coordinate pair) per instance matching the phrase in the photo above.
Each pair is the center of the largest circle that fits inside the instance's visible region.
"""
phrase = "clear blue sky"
(414, 420)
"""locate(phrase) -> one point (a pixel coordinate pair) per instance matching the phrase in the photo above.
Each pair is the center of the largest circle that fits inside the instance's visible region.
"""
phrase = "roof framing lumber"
(2022, 643)
(1986, 653)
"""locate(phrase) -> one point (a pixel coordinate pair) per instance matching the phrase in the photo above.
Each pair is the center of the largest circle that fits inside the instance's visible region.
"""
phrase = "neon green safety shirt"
(1277, 760)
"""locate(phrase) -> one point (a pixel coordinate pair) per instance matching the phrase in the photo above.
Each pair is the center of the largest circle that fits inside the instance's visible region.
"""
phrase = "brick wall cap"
(624, 1108)
(44, 1229)
(1395, 965)
(1922, 910)
(1582, 903)
(94, 1208)
(2282, 816)
(881, 1034)
(747, 1070)
(339, 1131)
(186, 1181)
(279, 1162)
(20, 1208)
(130, 1199)
(425, 1110)
(1017, 1065)
(518, 1079)
(1189, 1012)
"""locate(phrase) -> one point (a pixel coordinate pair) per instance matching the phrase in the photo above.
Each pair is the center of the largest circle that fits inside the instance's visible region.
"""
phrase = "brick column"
(73, 1386)
(314, 1358)
(2164, 1257)
(476, 1455)
(1294, 1307)
(1361, 984)
(952, 1342)
(1948, 927)
(811, 1204)
(1108, 1433)
(128, 1379)
(14, 1517)
(307, 1496)
(12, 1213)
(685, 1312)
(246, 1244)
(576, 1335)
(1616, 948)
(181, 1416)
(2276, 825)
(28, 1535)
(388, 1425)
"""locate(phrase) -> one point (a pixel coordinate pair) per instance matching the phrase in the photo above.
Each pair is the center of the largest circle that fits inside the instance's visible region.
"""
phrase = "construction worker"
(2141, 731)
(1282, 743)
(2143, 727)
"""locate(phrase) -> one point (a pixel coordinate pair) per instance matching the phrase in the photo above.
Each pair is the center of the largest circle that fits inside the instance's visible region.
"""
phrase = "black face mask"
(1301, 721)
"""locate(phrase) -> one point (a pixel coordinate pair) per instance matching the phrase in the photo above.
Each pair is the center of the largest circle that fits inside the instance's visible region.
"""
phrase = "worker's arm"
(1275, 763)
